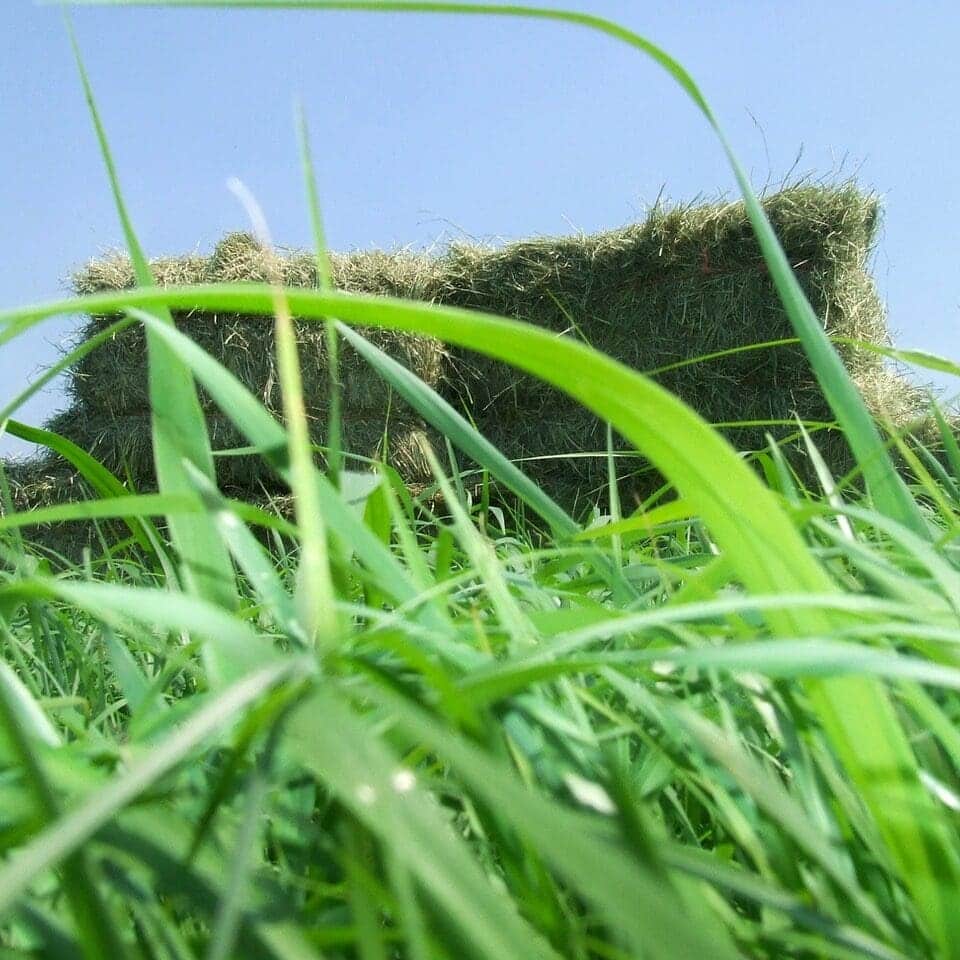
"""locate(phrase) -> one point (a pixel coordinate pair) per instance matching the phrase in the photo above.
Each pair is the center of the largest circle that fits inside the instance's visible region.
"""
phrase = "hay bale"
(48, 481)
(113, 379)
(687, 281)
(124, 446)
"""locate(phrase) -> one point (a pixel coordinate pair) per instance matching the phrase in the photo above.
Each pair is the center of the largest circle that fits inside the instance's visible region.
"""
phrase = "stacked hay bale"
(46, 482)
(687, 282)
(110, 416)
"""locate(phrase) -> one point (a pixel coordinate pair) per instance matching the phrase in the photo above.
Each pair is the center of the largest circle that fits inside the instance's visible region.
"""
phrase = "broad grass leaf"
(759, 540)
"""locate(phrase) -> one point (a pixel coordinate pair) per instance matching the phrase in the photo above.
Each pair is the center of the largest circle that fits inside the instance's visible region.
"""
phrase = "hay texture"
(686, 282)
(123, 444)
(112, 380)
(48, 482)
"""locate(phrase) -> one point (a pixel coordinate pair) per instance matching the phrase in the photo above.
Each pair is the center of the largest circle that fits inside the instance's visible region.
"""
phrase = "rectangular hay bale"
(688, 281)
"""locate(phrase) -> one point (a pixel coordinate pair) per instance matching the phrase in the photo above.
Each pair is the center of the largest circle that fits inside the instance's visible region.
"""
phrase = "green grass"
(720, 728)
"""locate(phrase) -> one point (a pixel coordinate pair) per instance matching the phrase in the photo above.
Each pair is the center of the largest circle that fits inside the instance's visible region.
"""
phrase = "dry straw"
(112, 380)
(123, 444)
(687, 282)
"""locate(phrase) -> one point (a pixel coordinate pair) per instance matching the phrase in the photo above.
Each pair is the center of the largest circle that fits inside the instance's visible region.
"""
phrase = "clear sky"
(428, 128)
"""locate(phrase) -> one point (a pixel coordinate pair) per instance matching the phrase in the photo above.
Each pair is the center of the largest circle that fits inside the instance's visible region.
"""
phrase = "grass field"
(721, 725)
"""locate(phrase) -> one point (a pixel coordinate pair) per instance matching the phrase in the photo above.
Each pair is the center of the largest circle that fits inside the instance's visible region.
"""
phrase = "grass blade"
(744, 517)
(315, 598)
(101, 480)
(324, 282)
(73, 829)
(19, 716)
(179, 429)
(453, 425)
(887, 488)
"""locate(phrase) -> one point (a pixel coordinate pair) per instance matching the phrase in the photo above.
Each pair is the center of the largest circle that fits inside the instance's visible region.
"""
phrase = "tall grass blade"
(453, 425)
(325, 284)
(270, 440)
(179, 429)
(73, 829)
(634, 898)
(101, 480)
(315, 598)
(26, 731)
(748, 522)
(758, 538)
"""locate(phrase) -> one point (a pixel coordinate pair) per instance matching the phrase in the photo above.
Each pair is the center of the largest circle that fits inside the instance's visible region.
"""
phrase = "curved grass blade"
(98, 476)
(453, 425)
(112, 508)
(325, 283)
(24, 729)
(608, 388)
(78, 353)
(231, 649)
(270, 440)
(101, 480)
(179, 428)
(886, 486)
(746, 519)
(314, 595)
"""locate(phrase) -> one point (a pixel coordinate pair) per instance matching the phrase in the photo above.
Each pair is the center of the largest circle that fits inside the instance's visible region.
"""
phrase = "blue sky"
(431, 128)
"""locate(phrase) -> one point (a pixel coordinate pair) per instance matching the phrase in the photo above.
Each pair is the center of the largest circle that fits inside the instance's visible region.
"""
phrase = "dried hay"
(124, 446)
(112, 380)
(41, 482)
(687, 282)
(47, 482)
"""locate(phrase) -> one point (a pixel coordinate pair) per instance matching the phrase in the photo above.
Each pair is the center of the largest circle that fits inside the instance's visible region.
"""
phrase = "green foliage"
(721, 727)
